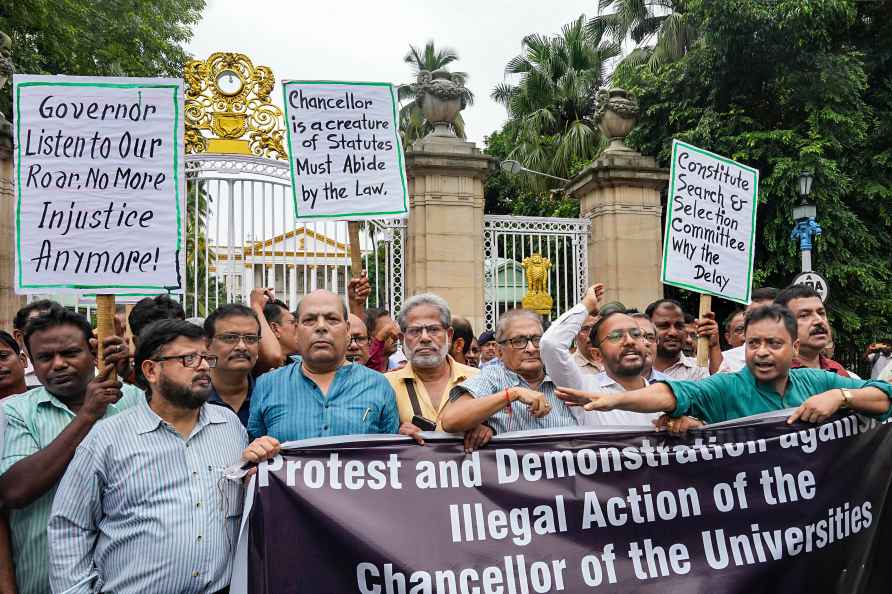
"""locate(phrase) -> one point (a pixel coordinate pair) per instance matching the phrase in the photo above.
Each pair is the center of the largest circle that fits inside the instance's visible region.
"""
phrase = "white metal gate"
(507, 240)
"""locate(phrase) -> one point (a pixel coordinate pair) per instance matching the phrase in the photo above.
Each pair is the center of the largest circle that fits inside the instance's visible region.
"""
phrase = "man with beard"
(323, 395)
(766, 384)
(233, 335)
(814, 329)
(668, 318)
(46, 424)
(358, 347)
(422, 387)
(144, 506)
(623, 351)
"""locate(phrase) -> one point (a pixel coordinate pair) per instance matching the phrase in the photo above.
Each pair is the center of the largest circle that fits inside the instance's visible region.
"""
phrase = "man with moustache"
(766, 384)
(358, 347)
(462, 337)
(46, 424)
(322, 395)
(649, 335)
(12, 370)
(814, 329)
(233, 335)
(144, 506)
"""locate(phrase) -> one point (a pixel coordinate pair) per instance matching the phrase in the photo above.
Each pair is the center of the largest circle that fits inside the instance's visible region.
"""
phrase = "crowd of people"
(112, 478)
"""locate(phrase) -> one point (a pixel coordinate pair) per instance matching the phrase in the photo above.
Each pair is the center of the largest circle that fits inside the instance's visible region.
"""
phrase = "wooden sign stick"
(355, 252)
(703, 342)
(105, 324)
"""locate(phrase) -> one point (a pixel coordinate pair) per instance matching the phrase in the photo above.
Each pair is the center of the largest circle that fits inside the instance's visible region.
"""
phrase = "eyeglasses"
(435, 331)
(192, 360)
(360, 340)
(521, 342)
(232, 338)
(649, 336)
(617, 335)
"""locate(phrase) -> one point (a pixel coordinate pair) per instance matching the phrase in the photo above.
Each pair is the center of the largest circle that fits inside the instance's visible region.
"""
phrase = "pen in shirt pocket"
(366, 413)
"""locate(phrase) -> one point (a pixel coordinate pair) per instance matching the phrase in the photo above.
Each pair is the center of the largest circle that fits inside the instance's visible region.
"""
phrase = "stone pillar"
(620, 194)
(444, 248)
(9, 301)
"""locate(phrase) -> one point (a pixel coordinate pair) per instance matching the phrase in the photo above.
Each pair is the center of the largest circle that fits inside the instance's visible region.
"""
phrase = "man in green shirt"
(766, 384)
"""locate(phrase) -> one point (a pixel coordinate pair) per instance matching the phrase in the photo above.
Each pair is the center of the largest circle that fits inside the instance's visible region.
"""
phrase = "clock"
(229, 82)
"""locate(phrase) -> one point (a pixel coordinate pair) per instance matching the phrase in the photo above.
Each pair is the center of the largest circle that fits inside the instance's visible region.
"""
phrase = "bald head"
(322, 296)
(322, 330)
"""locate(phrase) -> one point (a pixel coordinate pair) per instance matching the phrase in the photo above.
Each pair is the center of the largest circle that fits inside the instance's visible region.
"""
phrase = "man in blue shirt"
(323, 395)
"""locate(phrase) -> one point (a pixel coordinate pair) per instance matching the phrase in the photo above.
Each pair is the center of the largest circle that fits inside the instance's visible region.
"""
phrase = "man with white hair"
(422, 387)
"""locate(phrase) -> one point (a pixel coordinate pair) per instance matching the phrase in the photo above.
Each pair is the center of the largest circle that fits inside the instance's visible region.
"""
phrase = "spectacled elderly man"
(422, 387)
(515, 396)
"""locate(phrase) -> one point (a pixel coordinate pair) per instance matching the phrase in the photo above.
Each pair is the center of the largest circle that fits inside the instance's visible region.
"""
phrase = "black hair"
(461, 328)
(10, 341)
(57, 316)
(273, 310)
(227, 311)
(152, 309)
(777, 313)
(604, 316)
(156, 336)
(21, 316)
(688, 318)
(764, 294)
(649, 311)
(372, 315)
(730, 318)
(795, 292)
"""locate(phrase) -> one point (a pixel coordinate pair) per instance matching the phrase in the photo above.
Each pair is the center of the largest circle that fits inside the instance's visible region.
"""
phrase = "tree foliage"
(788, 86)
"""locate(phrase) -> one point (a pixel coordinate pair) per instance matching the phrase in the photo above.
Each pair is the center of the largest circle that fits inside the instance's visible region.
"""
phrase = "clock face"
(229, 82)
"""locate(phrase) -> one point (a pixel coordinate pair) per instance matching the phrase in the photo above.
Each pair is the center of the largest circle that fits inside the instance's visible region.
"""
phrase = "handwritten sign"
(710, 224)
(99, 172)
(344, 146)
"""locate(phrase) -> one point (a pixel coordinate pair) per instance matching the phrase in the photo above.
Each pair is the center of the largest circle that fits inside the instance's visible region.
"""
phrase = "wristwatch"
(846, 398)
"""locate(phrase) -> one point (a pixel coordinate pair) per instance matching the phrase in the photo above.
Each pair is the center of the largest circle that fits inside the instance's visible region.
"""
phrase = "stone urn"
(616, 115)
(440, 98)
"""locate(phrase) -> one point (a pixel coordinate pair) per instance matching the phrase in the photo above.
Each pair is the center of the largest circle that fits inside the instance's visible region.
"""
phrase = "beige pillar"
(9, 301)
(620, 193)
(444, 251)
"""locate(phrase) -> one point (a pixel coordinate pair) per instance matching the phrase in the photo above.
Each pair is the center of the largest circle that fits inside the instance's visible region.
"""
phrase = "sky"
(366, 40)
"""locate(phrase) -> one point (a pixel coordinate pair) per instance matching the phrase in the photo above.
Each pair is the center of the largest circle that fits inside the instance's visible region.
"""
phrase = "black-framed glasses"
(434, 331)
(192, 360)
(232, 338)
(360, 340)
(521, 342)
(617, 335)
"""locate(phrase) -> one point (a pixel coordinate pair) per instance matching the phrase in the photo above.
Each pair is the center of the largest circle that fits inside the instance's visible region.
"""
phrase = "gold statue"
(537, 298)
(228, 96)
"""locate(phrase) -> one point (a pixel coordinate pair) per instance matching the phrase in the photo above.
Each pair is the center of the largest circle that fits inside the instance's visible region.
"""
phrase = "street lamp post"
(806, 227)
(513, 167)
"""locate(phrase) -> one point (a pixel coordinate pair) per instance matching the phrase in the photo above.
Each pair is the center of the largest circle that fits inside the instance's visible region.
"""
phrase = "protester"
(22, 316)
(46, 424)
(144, 506)
(322, 394)
(462, 335)
(472, 359)
(588, 359)
(515, 396)
(814, 330)
(358, 346)
(734, 359)
(734, 328)
(489, 349)
(766, 384)
(668, 318)
(12, 368)
(383, 331)
(879, 355)
(152, 309)
(283, 326)
(689, 347)
(422, 387)
(649, 335)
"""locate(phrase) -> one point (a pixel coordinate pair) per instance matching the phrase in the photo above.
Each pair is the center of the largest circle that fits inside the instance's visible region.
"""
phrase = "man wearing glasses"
(144, 506)
(358, 345)
(516, 396)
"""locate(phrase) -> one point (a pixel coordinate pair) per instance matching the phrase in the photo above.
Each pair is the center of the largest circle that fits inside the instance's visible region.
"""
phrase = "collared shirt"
(397, 379)
(727, 396)
(586, 366)
(288, 405)
(378, 361)
(244, 412)
(562, 368)
(494, 379)
(34, 420)
(826, 363)
(686, 368)
(494, 362)
(733, 360)
(141, 509)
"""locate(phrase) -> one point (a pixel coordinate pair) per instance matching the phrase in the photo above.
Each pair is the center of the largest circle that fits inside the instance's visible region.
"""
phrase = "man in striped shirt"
(144, 506)
(515, 396)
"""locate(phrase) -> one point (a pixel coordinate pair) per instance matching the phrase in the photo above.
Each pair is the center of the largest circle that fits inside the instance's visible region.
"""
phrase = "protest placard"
(344, 149)
(99, 172)
(710, 224)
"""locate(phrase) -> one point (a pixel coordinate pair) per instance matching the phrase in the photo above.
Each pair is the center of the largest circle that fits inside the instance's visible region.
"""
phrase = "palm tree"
(550, 109)
(412, 123)
(661, 29)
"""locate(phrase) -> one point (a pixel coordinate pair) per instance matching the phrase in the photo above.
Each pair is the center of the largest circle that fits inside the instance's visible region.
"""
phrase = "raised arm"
(270, 353)
(555, 348)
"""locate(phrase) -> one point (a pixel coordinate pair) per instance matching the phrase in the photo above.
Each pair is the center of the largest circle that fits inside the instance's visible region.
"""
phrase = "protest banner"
(344, 148)
(752, 505)
(100, 181)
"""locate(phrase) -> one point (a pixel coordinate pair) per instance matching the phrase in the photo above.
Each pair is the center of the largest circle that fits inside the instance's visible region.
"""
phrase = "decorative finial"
(616, 115)
(440, 95)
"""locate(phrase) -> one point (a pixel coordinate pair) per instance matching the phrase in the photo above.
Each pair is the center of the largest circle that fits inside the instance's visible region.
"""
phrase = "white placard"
(344, 149)
(99, 184)
(710, 224)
